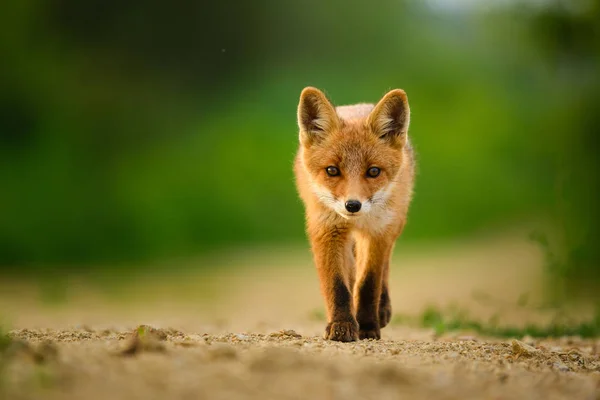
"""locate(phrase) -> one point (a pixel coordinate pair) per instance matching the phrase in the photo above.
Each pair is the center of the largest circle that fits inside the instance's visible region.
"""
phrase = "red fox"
(354, 172)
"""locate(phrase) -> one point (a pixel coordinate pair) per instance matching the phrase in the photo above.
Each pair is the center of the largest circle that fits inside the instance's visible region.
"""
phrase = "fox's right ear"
(316, 115)
(390, 118)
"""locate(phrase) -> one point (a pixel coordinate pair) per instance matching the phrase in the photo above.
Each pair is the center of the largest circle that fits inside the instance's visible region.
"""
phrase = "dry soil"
(253, 332)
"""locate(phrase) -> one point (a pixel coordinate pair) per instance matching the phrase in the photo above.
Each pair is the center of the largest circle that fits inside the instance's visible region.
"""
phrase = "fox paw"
(342, 331)
(369, 334)
(369, 331)
(385, 310)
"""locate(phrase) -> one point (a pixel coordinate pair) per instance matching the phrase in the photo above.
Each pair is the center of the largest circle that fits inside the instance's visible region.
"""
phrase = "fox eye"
(373, 172)
(332, 171)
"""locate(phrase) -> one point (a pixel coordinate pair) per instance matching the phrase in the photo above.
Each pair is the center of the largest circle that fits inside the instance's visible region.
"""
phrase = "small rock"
(145, 338)
(286, 333)
(522, 349)
(292, 333)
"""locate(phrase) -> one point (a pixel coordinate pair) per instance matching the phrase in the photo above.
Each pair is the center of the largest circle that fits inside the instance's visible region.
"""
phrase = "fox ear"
(391, 116)
(316, 115)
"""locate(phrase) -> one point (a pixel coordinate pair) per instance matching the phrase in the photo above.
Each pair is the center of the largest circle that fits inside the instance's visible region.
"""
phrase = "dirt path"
(88, 364)
(251, 333)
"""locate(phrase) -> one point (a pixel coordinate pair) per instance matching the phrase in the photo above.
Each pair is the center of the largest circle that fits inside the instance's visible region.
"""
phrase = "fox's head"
(353, 155)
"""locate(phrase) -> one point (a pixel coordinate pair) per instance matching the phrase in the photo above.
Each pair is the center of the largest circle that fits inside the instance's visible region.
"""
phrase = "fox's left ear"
(390, 118)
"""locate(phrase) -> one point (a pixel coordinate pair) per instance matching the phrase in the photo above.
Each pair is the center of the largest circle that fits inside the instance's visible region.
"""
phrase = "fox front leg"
(372, 258)
(332, 251)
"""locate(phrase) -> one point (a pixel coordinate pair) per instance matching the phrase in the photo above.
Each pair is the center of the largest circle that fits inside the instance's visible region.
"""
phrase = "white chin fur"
(375, 215)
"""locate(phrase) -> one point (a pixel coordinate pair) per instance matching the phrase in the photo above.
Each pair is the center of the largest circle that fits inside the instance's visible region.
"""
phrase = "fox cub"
(354, 172)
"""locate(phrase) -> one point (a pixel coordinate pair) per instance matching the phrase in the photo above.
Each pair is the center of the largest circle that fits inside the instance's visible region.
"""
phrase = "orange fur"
(352, 249)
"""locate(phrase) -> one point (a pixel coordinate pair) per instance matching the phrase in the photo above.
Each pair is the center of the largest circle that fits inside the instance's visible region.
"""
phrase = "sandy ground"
(253, 332)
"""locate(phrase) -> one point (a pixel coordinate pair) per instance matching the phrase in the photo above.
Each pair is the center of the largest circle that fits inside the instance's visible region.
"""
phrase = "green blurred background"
(146, 130)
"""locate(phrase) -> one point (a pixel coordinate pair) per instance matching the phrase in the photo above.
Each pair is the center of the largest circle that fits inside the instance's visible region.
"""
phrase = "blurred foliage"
(570, 44)
(140, 130)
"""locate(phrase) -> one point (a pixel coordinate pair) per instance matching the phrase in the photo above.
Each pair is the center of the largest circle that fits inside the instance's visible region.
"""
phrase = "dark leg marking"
(385, 307)
(367, 316)
(343, 326)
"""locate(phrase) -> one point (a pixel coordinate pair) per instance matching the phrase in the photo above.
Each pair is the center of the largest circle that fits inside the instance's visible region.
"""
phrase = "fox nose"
(353, 206)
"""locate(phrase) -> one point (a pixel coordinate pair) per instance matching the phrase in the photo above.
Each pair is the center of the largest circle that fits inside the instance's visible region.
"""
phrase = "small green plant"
(453, 319)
